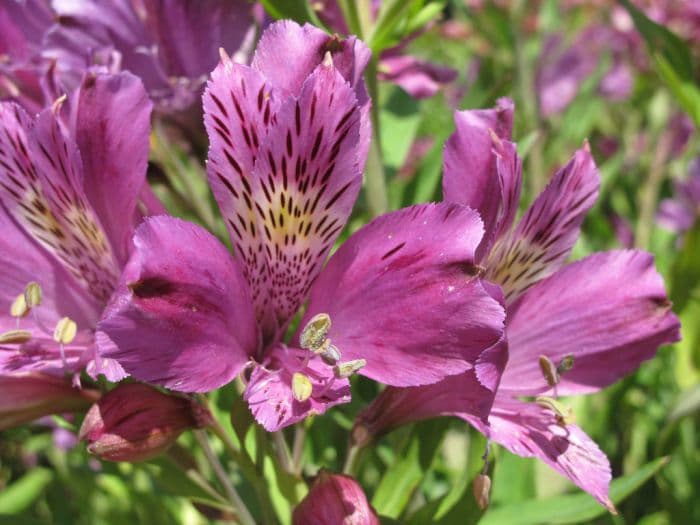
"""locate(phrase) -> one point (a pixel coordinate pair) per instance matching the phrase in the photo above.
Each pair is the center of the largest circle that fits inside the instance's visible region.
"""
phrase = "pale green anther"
(65, 331)
(564, 414)
(32, 295)
(566, 364)
(15, 337)
(549, 371)
(301, 387)
(19, 307)
(348, 368)
(314, 333)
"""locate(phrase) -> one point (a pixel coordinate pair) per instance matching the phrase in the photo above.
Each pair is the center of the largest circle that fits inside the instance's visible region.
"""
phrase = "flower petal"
(416, 77)
(609, 310)
(481, 168)
(270, 394)
(111, 130)
(541, 242)
(529, 430)
(402, 293)
(182, 314)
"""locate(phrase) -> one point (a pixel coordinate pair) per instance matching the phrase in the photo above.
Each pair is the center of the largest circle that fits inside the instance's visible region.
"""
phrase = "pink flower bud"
(28, 396)
(335, 499)
(135, 422)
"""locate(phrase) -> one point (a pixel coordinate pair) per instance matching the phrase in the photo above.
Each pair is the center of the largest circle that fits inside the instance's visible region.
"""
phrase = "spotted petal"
(403, 294)
(609, 311)
(181, 316)
(541, 242)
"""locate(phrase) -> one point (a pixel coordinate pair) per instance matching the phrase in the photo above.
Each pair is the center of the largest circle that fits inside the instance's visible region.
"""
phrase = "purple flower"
(570, 329)
(681, 212)
(70, 197)
(289, 138)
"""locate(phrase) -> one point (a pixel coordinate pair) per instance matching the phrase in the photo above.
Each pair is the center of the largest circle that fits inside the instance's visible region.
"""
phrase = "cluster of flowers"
(456, 307)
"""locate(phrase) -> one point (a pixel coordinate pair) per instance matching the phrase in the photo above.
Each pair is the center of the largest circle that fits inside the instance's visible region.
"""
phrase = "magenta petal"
(269, 392)
(402, 293)
(481, 167)
(111, 128)
(543, 238)
(529, 430)
(609, 310)
(418, 78)
(182, 315)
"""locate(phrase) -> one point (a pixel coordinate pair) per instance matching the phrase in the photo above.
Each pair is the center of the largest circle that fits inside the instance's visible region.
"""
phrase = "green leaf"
(22, 493)
(686, 270)
(297, 10)
(570, 508)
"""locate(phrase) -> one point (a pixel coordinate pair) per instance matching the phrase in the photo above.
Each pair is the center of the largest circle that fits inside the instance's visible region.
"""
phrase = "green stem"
(298, 447)
(282, 450)
(375, 179)
(244, 515)
(649, 195)
(351, 459)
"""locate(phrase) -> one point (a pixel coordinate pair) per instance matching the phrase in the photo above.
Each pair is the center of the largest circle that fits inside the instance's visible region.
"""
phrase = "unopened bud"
(549, 371)
(32, 295)
(314, 333)
(135, 422)
(28, 396)
(348, 368)
(19, 307)
(335, 498)
(65, 331)
(301, 387)
(15, 337)
(482, 490)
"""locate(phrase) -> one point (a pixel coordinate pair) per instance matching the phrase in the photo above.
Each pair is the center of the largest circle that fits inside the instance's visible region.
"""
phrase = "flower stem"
(351, 459)
(244, 515)
(375, 179)
(298, 447)
(282, 451)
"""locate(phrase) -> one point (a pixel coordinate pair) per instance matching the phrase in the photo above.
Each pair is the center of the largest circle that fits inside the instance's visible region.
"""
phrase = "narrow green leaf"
(18, 496)
(686, 271)
(297, 10)
(570, 508)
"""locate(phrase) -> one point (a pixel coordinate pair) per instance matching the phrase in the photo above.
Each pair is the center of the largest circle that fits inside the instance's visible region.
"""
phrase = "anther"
(301, 387)
(314, 333)
(549, 371)
(32, 295)
(328, 59)
(15, 337)
(348, 368)
(563, 414)
(19, 307)
(482, 490)
(330, 355)
(65, 331)
(566, 364)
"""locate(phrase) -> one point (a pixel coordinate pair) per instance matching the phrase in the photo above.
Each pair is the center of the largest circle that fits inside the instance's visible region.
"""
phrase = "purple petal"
(609, 310)
(22, 26)
(529, 430)
(269, 392)
(481, 168)
(418, 78)
(181, 316)
(675, 216)
(111, 128)
(541, 242)
(402, 294)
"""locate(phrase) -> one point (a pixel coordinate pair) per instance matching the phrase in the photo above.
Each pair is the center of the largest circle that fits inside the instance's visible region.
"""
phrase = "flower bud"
(135, 422)
(29, 396)
(334, 499)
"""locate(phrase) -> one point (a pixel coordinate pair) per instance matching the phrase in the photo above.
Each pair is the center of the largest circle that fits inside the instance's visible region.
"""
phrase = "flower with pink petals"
(681, 212)
(289, 137)
(570, 328)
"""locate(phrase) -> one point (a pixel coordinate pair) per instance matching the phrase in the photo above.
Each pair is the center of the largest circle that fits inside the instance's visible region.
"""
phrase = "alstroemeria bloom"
(289, 138)
(172, 45)
(69, 201)
(608, 311)
(681, 212)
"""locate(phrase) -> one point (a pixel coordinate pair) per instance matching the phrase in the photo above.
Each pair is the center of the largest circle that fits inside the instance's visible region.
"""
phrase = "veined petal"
(111, 129)
(609, 311)
(529, 430)
(482, 169)
(541, 242)
(403, 293)
(182, 315)
(41, 186)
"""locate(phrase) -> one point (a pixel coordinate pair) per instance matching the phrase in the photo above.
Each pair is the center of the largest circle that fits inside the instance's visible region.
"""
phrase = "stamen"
(482, 490)
(348, 368)
(32, 295)
(314, 333)
(64, 334)
(15, 337)
(19, 307)
(563, 414)
(330, 355)
(301, 387)
(566, 364)
(549, 371)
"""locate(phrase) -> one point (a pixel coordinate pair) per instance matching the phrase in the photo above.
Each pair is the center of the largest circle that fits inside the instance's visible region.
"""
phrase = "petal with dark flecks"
(111, 129)
(181, 316)
(269, 392)
(481, 168)
(609, 311)
(543, 238)
(403, 293)
(529, 430)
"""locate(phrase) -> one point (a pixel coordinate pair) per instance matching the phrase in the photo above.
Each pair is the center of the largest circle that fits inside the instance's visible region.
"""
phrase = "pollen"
(313, 336)
(65, 331)
(301, 387)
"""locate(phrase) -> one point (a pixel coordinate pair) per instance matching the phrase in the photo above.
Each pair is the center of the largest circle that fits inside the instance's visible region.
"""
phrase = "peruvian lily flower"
(289, 138)
(69, 201)
(172, 45)
(681, 212)
(570, 328)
